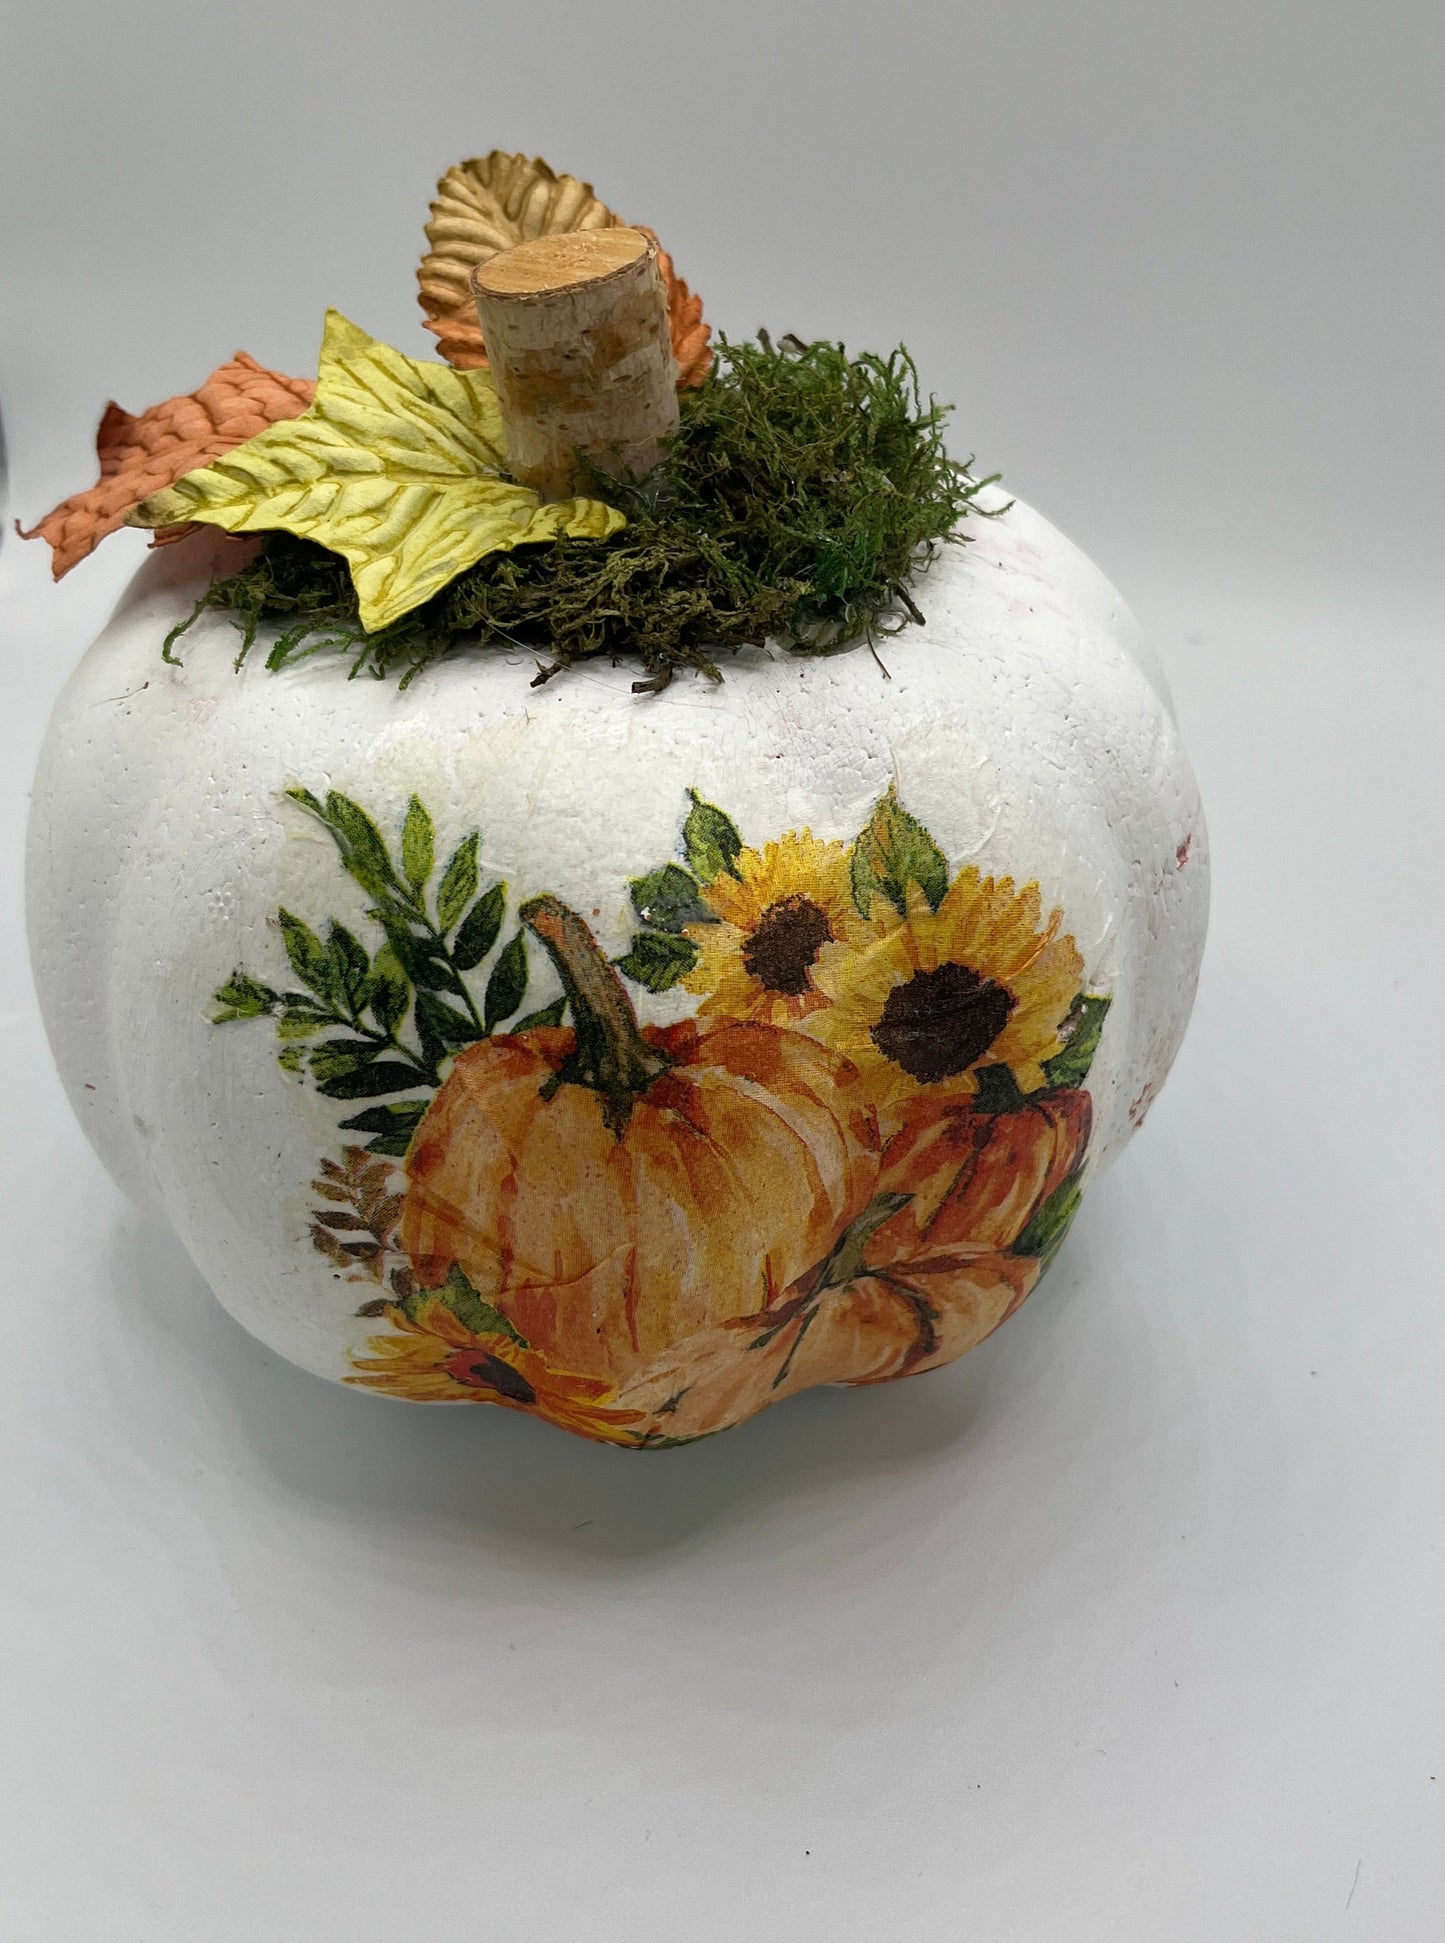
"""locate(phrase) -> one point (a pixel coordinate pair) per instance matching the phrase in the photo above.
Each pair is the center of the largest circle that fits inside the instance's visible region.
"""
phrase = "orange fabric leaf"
(142, 455)
(690, 347)
(459, 339)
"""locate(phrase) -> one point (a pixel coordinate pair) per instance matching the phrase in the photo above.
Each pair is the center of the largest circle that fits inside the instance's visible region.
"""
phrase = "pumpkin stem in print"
(612, 1057)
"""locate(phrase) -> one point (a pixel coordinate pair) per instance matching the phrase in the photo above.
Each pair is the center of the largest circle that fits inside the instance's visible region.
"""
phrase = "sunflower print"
(937, 1022)
(435, 1358)
(779, 915)
(935, 995)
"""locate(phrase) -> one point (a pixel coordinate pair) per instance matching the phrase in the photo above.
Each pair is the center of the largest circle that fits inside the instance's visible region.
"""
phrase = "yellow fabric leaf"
(394, 466)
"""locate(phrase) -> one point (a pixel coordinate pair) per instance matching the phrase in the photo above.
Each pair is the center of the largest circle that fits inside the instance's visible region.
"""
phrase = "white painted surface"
(1127, 1628)
(1017, 725)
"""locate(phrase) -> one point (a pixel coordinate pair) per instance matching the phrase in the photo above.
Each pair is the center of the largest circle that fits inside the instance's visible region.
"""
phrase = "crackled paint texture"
(1023, 732)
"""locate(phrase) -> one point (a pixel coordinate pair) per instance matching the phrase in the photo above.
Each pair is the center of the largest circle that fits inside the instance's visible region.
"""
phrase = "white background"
(1129, 1628)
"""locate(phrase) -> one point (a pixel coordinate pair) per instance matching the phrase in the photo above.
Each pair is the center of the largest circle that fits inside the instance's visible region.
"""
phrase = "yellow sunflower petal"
(1014, 958)
(416, 1363)
(779, 922)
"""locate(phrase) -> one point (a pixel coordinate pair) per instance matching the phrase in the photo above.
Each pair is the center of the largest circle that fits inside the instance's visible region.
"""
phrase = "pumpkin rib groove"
(967, 1173)
(1018, 1155)
(507, 1192)
(998, 1286)
(752, 1090)
(722, 1161)
(727, 1082)
(808, 1108)
(571, 1286)
(1018, 1149)
(536, 1276)
(631, 1296)
(961, 1182)
(622, 1156)
(561, 1300)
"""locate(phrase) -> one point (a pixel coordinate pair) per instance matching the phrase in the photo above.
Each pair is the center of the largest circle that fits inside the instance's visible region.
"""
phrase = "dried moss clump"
(802, 493)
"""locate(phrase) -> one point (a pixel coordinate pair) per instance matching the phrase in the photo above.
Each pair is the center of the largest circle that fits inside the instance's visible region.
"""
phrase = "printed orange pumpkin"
(975, 1179)
(991, 1195)
(614, 1190)
(909, 1288)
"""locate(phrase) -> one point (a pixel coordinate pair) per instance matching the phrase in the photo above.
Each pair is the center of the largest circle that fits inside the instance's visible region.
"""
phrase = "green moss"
(803, 492)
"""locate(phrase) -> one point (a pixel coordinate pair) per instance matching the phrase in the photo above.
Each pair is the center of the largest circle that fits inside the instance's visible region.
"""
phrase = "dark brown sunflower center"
(785, 943)
(940, 1022)
(491, 1373)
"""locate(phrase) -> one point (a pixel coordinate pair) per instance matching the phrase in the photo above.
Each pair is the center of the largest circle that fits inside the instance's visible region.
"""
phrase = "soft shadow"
(492, 1473)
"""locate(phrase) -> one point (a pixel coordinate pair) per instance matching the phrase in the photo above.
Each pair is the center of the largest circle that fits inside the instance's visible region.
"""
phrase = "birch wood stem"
(577, 339)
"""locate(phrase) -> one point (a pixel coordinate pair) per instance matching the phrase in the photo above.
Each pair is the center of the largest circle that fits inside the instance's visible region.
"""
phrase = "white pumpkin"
(1023, 728)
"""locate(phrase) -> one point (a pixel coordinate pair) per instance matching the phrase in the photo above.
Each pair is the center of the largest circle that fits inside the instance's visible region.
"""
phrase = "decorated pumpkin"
(655, 1003)
(615, 1191)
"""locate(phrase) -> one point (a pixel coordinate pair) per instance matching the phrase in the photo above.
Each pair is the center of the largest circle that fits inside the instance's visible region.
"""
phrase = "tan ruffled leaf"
(145, 454)
(494, 201)
(483, 206)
